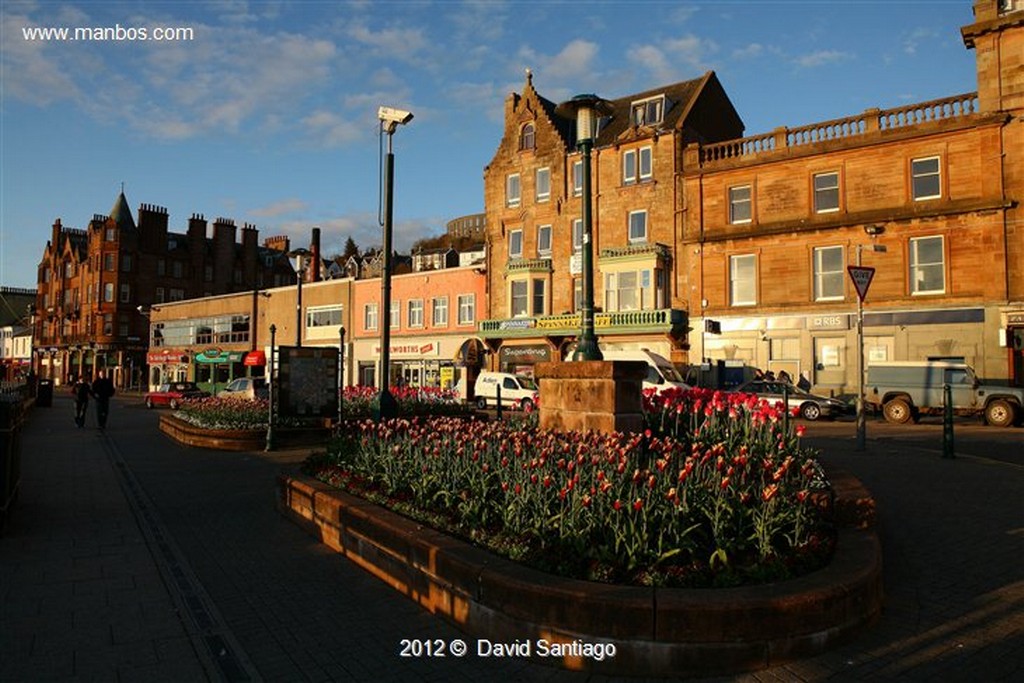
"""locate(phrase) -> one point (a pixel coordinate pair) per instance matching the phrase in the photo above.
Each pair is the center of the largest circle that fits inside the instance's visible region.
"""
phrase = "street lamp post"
(390, 119)
(341, 373)
(861, 416)
(272, 384)
(586, 110)
(300, 256)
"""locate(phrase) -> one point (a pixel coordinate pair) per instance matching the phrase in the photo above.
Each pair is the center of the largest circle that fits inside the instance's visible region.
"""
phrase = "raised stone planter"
(654, 631)
(239, 439)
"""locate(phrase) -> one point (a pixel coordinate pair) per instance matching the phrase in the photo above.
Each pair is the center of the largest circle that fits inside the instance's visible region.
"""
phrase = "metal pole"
(388, 407)
(301, 273)
(341, 373)
(861, 417)
(272, 391)
(947, 422)
(587, 348)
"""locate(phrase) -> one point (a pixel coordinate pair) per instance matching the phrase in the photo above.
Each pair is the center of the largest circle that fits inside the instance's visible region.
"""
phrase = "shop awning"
(470, 352)
(255, 358)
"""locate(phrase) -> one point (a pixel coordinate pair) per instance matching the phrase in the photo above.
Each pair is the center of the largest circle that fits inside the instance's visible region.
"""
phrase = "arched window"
(527, 137)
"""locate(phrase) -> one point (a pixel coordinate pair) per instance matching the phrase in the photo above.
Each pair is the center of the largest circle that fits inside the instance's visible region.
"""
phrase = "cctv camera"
(140, 309)
(392, 115)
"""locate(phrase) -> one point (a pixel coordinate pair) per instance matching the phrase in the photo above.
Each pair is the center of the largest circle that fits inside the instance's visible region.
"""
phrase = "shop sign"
(1015, 319)
(432, 348)
(518, 324)
(166, 356)
(540, 353)
(829, 322)
(214, 355)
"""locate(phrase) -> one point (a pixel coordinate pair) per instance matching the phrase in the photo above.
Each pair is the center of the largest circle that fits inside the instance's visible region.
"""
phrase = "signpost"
(861, 276)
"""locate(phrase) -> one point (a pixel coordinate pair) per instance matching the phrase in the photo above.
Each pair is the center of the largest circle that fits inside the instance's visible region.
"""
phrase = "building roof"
(121, 213)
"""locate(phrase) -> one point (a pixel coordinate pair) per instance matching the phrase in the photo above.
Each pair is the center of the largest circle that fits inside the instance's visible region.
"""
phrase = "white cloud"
(918, 36)
(574, 64)
(331, 130)
(403, 44)
(821, 58)
(282, 207)
(673, 59)
(749, 51)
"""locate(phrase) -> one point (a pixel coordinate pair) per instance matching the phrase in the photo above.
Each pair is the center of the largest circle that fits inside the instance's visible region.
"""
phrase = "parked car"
(516, 390)
(249, 388)
(905, 390)
(172, 394)
(811, 406)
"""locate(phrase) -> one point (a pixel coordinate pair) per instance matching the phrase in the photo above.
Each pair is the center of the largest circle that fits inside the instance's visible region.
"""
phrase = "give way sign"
(861, 276)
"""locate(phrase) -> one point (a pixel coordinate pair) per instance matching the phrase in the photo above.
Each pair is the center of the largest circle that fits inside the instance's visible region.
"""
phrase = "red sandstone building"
(694, 223)
(96, 285)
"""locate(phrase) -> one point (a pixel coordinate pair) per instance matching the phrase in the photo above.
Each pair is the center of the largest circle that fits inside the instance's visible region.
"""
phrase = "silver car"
(246, 387)
(811, 407)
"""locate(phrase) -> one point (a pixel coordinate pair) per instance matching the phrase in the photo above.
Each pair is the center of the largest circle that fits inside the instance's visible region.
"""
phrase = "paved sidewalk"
(130, 558)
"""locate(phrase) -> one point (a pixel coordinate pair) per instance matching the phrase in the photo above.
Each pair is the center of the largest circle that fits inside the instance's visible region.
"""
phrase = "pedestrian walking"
(80, 391)
(102, 390)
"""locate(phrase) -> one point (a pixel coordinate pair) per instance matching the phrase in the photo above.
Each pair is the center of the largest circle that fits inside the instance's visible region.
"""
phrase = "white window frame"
(634, 220)
(414, 313)
(577, 178)
(519, 298)
(738, 297)
(647, 112)
(577, 235)
(629, 169)
(645, 167)
(108, 292)
(371, 316)
(916, 267)
(538, 306)
(513, 190)
(439, 313)
(736, 200)
(467, 309)
(515, 244)
(396, 314)
(125, 294)
(543, 187)
(826, 192)
(925, 175)
(322, 322)
(827, 279)
(543, 240)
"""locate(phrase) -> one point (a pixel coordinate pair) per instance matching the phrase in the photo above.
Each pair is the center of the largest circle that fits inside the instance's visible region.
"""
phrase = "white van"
(516, 390)
(661, 374)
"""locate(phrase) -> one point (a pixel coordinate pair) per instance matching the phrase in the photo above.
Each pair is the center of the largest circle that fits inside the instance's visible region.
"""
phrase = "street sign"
(861, 276)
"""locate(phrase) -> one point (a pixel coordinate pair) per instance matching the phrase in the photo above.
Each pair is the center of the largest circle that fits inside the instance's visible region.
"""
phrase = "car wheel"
(810, 411)
(897, 411)
(173, 404)
(149, 402)
(1000, 413)
(481, 403)
(526, 404)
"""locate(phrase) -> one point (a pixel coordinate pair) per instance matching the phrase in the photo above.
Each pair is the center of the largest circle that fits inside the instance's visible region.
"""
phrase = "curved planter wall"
(239, 439)
(655, 631)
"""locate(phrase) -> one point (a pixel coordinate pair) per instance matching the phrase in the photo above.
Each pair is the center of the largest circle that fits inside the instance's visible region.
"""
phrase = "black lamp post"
(341, 373)
(300, 255)
(272, 384)
(390, 119)
(586, 110)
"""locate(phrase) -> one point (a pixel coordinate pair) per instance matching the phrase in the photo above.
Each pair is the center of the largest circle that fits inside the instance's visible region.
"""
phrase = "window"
(177, 294)
(370, 316)
(636, 165)
(648, 112)
(440, 314)
(519, 296)
(742, 283)
(577, 235)
(826, 192)
(515, 244)
(69, 269)
(577, 178)
(415, 314)
(160, 295)
(126, 293)
(396, 315)
(543, 184)
(828, 273)
(528, 137)
(108, 292)
(178, 269)
(467, 309)
(238, 276)
(324, 316)
(208, 273)
(122, 328)
(637, 226)
(739, 204)
(927, 265)
(539, 300)
(108, 262)
(161, 267)
(512, 196)
(925, 178)
(633, 290)
(110, 236)
(544, 240)
(108, 324)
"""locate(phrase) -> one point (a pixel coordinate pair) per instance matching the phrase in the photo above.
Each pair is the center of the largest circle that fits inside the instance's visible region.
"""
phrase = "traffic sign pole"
(861, 277)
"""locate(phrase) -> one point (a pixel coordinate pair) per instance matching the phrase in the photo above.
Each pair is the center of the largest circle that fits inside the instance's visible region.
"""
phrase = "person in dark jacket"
(80, 391)
(102, 390)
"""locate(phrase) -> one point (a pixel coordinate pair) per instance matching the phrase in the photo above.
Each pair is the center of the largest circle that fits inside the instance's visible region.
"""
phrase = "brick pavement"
(131, 558)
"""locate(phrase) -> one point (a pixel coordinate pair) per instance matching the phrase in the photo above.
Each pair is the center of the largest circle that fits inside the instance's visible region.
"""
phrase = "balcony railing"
(872, 120)
(618, 322)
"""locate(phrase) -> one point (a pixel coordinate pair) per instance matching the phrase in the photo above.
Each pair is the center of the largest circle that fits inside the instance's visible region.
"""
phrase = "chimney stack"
(314, 271)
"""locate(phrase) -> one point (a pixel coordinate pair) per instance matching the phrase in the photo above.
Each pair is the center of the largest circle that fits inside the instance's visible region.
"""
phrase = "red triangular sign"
(861, 276)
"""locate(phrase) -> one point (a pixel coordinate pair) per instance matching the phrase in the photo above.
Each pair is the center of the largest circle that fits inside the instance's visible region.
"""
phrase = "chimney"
(314, 271)
(55, 239)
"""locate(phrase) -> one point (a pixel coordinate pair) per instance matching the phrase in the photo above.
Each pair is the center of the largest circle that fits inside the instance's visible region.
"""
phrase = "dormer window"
(528, 137)
(649, 112)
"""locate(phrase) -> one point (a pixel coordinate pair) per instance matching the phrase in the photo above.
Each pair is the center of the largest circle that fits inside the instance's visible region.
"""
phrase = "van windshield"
(527, 383)
(670, 373)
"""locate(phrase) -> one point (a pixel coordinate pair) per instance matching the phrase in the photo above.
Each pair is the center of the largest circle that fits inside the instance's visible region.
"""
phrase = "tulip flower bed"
(713, 493)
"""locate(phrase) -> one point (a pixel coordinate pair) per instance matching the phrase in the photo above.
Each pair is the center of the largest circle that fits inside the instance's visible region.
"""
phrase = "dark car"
(811, 406)
(173, 393)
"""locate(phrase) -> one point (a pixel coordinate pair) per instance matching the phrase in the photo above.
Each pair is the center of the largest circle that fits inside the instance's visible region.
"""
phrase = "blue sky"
(268, 115)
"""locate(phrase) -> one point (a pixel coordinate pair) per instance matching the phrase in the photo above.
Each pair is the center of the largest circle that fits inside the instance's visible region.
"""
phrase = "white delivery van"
(661, 374)
(516, 390)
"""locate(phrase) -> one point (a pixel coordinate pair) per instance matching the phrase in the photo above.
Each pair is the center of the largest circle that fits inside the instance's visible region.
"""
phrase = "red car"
(172, 393)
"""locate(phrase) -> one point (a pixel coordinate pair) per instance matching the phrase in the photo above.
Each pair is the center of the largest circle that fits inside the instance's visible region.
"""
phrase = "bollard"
(947, 421)
(498, 399)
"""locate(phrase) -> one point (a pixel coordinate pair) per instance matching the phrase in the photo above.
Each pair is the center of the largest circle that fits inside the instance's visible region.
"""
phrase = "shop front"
(167, 365)
(415, 362)
(215, 368)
